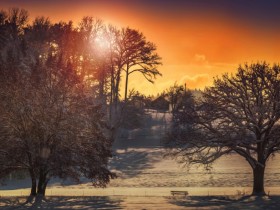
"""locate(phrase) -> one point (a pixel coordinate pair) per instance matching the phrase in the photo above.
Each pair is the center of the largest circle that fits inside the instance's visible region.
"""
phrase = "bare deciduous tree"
(50, 124)
(239, 113)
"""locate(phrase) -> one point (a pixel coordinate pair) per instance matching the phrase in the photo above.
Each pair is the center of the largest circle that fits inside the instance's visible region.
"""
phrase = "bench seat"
(185, 193)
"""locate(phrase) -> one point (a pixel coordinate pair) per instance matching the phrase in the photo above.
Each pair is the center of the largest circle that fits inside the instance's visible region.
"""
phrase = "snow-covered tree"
(240, 113)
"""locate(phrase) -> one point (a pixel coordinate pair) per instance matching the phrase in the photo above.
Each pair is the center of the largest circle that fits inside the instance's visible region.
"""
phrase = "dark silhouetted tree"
(137, 55)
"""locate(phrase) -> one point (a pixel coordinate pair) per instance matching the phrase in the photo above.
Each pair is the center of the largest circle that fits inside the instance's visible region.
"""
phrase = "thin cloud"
(200, 58)
(196, 82)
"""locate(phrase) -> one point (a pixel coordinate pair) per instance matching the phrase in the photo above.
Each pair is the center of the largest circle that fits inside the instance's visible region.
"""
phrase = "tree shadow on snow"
(82, 203)
(9, 202)
(229, 203)
(133, 162)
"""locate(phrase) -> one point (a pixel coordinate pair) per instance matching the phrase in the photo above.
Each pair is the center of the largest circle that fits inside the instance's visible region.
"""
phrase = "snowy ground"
(144, 172)
(145, 180)
(137, 202)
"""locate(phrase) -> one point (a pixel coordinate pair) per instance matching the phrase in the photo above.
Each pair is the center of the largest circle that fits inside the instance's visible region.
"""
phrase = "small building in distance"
(160, 103)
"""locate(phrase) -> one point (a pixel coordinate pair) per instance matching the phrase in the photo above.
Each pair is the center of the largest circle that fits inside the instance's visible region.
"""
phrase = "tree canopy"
(51, 123)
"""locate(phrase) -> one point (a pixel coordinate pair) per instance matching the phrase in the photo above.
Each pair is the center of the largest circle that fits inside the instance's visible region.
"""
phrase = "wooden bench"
(185, 193)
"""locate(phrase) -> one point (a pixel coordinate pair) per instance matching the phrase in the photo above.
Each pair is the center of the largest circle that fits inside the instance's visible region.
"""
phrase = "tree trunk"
(258, 186)
(33, 187)
(33, 182)
(116, 89)
(126, 85)
(42, 184)
(41, 188)
(111, 96)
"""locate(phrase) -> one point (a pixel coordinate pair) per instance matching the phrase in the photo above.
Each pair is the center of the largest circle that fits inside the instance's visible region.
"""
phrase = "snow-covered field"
(144, 171)
(145, 179)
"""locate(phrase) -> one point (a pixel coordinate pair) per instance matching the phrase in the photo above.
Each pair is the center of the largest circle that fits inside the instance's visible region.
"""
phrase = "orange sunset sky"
(197, 39)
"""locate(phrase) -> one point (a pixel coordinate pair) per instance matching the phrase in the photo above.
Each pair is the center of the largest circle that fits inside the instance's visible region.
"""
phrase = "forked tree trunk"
(42, 184)
(258, 185)
(41, 189)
